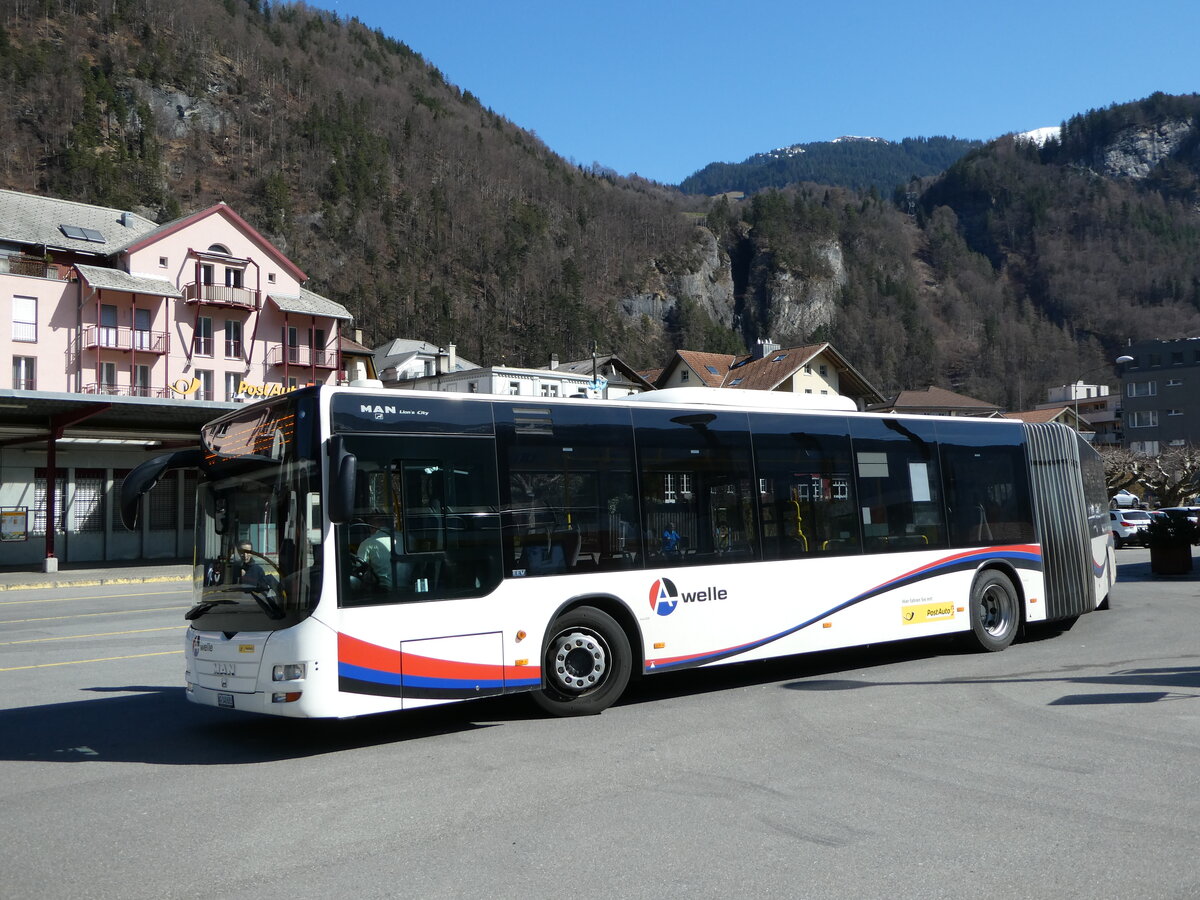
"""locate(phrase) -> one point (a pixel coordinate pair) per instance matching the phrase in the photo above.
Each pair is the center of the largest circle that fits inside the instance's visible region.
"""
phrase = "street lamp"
(1119, 361)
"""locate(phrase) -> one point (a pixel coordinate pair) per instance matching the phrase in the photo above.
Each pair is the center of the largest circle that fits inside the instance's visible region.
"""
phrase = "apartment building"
(1160, 390)
(123, 337)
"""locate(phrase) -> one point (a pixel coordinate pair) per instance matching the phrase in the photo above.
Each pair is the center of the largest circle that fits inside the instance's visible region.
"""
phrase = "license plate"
(225, 700)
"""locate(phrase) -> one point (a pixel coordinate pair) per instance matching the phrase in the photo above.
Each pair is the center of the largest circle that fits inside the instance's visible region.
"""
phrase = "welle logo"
(664, 596)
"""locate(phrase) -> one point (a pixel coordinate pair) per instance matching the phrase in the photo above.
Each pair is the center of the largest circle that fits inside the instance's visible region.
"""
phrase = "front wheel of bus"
(586, 665)
(995, 611)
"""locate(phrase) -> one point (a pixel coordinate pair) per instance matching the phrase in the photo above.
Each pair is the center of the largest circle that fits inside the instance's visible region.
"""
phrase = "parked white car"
(1129, 526)
(1123, 499)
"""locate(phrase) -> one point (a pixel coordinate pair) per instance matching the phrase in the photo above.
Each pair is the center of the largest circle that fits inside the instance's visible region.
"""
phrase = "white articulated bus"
(362, 550)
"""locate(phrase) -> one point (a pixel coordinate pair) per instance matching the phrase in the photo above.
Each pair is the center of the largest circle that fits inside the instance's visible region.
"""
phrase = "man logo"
(664, 597)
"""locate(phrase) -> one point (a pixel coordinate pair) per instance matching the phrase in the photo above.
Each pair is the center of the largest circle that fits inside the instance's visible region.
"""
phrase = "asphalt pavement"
(13, 578)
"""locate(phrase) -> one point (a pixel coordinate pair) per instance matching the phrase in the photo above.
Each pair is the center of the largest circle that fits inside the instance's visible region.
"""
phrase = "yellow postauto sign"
(917, 613)
(187, 387)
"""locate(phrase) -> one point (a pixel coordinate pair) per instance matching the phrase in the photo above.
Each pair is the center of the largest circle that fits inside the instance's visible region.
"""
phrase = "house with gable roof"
(810, 369)
(936, 401)
(123, 337)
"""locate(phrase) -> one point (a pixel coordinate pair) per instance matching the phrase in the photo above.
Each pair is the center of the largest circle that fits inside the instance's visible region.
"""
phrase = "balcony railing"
(303, 357)
(33, 266)
(25, 384)
(126, 390)
(219, 295)
(114, 337)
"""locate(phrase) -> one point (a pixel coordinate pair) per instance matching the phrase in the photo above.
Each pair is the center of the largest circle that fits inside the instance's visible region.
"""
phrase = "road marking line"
(97, 597)
(76, 637)
(115, 612)
(77, 662)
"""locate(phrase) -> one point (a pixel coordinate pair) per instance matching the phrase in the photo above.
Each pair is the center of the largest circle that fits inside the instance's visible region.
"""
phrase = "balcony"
(219, 295)
(33, 266)
(113, 337)
(301, 357)
(126, 390)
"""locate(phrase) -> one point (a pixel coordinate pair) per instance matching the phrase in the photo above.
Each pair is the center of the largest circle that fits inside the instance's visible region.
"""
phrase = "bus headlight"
(289, 672)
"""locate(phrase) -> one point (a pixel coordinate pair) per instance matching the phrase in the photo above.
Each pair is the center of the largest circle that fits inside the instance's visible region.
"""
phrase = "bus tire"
(995, 611)
(585, 665)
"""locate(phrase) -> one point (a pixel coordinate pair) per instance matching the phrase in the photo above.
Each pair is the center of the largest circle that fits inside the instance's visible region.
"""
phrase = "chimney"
(762, 348)
(358, 335)
(452, 360)
(553, 362)
(442, 358)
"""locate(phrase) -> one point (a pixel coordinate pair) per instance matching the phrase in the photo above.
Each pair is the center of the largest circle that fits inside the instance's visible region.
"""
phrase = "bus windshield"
(258, 528)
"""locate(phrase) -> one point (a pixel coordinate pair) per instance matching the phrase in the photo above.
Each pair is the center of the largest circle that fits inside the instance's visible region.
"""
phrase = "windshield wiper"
(204, 606)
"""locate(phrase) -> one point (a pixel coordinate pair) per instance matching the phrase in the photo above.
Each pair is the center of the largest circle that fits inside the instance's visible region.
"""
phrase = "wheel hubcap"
(995, 610)
(578, 661)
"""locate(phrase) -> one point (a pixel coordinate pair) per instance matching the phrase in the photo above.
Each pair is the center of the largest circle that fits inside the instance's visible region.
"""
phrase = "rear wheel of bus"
(995, 610)
(586, 663)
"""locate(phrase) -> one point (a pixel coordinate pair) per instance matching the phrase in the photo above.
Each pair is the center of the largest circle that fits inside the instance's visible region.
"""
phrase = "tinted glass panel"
(697, 486)
(987, 483)
(806, 484)
(899, 499)
(425, 523)
(568, 489)
(391, 411)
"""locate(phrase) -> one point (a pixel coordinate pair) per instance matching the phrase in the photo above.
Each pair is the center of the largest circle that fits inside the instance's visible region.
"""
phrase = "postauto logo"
(664, 596)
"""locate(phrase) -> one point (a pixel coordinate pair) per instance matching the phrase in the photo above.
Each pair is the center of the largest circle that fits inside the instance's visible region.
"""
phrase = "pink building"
(126, 334)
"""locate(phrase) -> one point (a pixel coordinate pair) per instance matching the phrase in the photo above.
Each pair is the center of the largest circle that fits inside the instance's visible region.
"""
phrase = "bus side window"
(899, 485)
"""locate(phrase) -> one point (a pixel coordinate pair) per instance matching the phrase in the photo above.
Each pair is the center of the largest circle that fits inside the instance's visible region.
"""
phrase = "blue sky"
(661, 89)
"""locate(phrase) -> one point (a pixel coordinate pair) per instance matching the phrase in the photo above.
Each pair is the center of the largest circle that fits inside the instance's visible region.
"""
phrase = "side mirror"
(143, 479)
(343, 471)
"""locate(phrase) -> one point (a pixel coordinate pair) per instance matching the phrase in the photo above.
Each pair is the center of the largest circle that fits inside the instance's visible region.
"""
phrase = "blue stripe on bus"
(1023, 559)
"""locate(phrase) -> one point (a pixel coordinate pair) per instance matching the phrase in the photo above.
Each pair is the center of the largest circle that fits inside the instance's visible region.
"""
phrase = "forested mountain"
(431, 216)
(853, 162)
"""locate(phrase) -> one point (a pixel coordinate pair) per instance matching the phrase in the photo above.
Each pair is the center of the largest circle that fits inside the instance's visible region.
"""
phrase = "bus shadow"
(156, 725)
(1174, 683)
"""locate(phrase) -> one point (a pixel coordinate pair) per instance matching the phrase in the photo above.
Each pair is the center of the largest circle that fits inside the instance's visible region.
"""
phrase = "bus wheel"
(995, 611)
(586, 665)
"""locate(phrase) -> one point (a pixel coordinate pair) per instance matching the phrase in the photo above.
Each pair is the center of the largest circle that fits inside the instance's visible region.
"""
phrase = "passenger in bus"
(671, 540)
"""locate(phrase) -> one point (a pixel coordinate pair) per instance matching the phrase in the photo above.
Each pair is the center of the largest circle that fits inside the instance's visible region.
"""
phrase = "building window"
(1142, 388)
(141, 330)
(39, 500)
(206, 273)
(824, 371)
(233, 385)
(205, 390)
(162, 262)
(1142, 418)
(683, 375)
(549, 390)
(233, 339)
(108, 378)
(1175, 382)
(24, 371)
(514, 388)
(472, 387)
(87, 503)
(291, 338)
(24, 319)
(233, 278)
(204, 338)
(270, 278)
(1177, 357)
(108, 325)
(1174, 412)
(141, 381)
